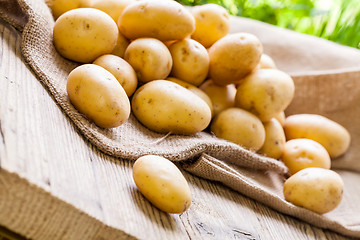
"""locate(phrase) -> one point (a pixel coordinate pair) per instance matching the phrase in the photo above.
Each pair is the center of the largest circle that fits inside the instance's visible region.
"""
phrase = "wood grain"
(55, 185)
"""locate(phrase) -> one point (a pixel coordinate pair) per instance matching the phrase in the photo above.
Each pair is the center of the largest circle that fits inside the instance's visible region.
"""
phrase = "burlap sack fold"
(320, 86)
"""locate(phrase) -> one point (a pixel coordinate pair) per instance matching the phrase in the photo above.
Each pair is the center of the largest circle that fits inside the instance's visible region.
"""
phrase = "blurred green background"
(335, 20)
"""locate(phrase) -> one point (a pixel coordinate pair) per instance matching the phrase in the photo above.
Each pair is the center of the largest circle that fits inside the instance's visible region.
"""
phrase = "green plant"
(341, 25)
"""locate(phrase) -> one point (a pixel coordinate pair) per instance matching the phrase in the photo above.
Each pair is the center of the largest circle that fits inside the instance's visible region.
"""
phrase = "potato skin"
(162, 183)
(334, 137)
(97, 94)
(121, 70)
(265, 93)
(266, 62)
(58, 7)
(233, 57)
(121, 44)
(281, 118)
(164, 107)
(164, 20)
(190, 61)
(303, 153)
(222, 97)
(274, 139)
(316, 189)
(239, 126)
(193, 89)
(112, 7)
(150, 59)
(212, 22)
(84, 34)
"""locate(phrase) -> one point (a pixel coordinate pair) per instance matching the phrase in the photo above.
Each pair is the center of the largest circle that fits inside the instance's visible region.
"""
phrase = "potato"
(222, 97)
(122, 71)
(58, 7)
(84, 34)
(168, 43)
(121, 44)
(112, 7)
(233, 57)
(265, 93)
(334, 137)
(162, 183)
(274, 139)
(190, 61)
(304, 153)
(239, 126)
(164, 107)
(316, 189)
(193, 89)
(165, 20)
(212, 22)
(266, 62)
(281, 118)
(97, 94)
(150, 59)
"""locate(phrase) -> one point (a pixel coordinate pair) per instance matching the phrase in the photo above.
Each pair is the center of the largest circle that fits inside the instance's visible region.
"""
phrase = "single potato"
(304, 153)
(165, 20)
(281, 118)
(190, 61)
(274, 139)
(316, 189)
(84, 34)
(121, 44)
(265, 93)
(58, 7)
(266, 62)
(122, 71)
(333, 136)
(212, 22)
(112, 7)
(97, 94)
(164, 107)
(233, 57)
(222, 97)
(193, 89)
(150, 59)
(239, 126)
(162, 183)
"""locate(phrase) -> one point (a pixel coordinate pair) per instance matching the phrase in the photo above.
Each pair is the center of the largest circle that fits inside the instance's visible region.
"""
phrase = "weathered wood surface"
(55, 185)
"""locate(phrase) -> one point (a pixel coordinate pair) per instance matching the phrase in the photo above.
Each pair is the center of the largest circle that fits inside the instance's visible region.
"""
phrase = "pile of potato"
(179, 71)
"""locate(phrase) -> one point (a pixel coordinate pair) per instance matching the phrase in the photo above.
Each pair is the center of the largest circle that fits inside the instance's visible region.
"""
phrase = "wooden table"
(56, 185)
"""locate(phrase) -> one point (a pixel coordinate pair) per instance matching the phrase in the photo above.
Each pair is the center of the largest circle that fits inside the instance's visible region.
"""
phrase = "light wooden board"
(55, 185)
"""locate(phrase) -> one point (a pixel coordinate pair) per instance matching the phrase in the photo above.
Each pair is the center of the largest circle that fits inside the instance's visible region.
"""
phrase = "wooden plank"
(55, 185)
